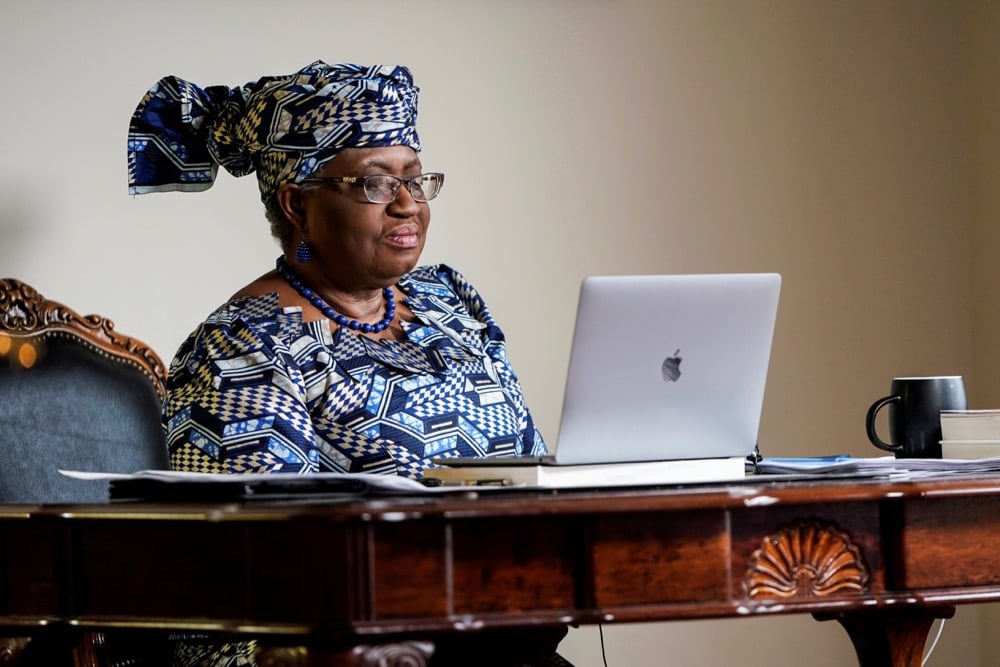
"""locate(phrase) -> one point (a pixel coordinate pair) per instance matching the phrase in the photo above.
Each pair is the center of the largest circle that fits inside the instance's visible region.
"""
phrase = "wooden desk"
(884, 559)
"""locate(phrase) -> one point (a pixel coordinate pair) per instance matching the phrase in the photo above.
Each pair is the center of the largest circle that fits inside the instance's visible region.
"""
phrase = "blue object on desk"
(817, 461)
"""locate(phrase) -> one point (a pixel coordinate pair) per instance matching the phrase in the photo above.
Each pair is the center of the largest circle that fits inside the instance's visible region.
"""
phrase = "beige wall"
(980, 22)
(852, 146)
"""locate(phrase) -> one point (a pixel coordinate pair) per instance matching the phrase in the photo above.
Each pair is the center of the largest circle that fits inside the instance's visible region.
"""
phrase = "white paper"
(889, 466)
(383, 483)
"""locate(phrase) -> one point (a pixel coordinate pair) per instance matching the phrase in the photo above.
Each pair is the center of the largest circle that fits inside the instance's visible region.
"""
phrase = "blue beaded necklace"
(324, 307)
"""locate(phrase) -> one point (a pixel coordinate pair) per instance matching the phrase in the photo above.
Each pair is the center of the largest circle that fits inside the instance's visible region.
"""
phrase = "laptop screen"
(667, 367)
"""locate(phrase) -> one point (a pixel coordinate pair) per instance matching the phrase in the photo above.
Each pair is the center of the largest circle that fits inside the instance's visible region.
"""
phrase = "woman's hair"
(281, 229)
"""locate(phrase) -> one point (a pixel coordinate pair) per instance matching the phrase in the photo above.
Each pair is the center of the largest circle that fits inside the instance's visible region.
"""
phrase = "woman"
(346, 357)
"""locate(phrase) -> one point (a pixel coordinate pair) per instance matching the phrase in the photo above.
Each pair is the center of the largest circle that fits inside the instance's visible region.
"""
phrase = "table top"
(469, 502)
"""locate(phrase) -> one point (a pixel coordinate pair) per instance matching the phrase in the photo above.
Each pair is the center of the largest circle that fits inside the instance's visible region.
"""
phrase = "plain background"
(851, 145)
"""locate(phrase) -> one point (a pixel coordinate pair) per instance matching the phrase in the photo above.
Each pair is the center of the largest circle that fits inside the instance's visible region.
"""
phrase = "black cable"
(604, 657)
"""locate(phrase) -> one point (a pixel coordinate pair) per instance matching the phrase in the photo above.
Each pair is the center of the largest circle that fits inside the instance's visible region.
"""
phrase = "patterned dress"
(256, 389)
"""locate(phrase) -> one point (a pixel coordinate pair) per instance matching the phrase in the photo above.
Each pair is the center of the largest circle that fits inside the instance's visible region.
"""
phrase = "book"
(968, 425)
(593, 475)
(970, 449)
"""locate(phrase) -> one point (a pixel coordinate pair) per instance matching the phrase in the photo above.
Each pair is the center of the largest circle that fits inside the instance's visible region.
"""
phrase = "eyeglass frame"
(363, 182)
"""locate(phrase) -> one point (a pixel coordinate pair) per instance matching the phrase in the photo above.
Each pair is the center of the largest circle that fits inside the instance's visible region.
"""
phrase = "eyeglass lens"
(382, 188)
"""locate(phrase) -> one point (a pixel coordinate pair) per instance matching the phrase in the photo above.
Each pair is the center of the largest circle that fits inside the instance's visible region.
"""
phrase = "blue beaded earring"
(303, 252)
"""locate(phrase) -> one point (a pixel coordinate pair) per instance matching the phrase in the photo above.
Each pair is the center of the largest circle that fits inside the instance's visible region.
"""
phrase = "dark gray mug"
(915, 405)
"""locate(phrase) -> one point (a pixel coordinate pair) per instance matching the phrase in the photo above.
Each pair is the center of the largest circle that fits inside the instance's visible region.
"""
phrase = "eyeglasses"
(383, 188)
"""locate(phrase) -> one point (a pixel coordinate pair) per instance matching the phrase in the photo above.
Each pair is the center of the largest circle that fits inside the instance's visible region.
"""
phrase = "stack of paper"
(196, 486)
(886, 466)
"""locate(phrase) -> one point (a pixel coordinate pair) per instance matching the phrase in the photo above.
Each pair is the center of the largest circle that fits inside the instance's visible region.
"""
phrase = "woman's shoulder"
(441, 285)
(436, 279)
(240, 319)
(256, 307)
(245, 324)
(259, 302)
(265, 285)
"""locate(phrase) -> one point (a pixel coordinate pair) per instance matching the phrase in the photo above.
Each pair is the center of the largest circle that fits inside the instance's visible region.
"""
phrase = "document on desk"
(883, 466)
(178, 485)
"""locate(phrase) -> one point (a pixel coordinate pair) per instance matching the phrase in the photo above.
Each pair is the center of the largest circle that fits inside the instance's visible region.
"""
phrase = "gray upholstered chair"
(74, 394)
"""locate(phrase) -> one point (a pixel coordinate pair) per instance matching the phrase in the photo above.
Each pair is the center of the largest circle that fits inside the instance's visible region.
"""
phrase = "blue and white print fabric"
(257, 389)
(283, 127)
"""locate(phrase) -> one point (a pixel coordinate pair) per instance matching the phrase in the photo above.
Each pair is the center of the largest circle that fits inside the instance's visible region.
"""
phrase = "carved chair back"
(74, 394)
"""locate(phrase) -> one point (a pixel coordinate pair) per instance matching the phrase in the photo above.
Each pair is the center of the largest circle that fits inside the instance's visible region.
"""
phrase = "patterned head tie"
(283, 127)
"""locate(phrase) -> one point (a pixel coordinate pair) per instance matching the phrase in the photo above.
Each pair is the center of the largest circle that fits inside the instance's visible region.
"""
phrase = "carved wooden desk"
(379, 579)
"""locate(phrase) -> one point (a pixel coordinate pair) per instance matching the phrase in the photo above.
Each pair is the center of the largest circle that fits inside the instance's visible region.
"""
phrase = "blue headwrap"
(283, 127)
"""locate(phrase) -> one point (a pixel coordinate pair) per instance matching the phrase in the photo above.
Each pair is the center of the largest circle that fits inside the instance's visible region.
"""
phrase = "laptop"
(662, 368)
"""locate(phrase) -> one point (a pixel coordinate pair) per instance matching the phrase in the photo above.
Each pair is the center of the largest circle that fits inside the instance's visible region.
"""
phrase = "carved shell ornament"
(27, 318)
(806, 560)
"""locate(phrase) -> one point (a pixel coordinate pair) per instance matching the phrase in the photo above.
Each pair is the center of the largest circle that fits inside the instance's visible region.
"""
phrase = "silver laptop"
(664, 367)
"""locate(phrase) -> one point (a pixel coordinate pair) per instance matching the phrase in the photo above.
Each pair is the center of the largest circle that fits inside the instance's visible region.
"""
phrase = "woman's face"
(357, 244)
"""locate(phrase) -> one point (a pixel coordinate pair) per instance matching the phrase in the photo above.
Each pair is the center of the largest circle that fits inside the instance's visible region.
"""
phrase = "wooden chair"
(74, 394)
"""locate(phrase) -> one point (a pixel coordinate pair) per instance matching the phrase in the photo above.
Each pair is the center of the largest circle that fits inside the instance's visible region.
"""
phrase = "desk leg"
(889, 637)
(91, 651)
(402, 654)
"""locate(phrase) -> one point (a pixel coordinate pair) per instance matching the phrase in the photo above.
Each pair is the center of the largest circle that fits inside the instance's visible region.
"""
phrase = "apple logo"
(671, 368)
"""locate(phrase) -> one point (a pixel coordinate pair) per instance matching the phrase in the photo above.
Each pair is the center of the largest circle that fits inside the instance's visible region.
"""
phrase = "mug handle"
(870, 423)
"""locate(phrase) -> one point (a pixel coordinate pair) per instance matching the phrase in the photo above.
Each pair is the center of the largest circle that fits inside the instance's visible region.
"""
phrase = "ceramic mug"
(915, 405)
